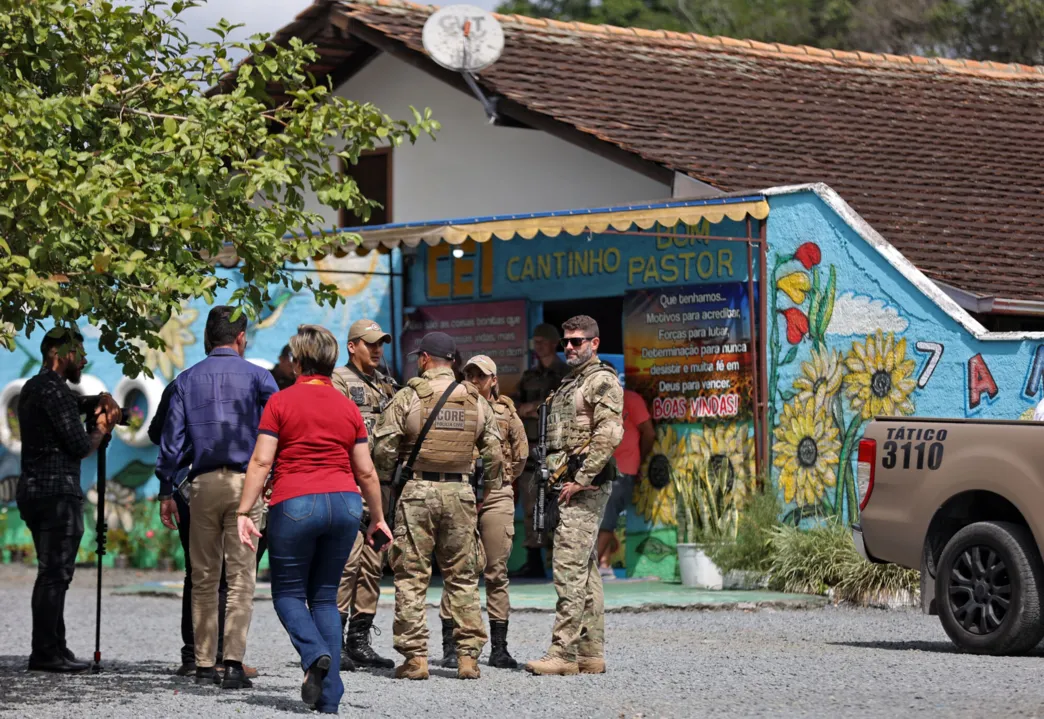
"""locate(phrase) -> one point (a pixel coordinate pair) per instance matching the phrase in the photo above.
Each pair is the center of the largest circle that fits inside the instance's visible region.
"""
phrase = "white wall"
(473, 168)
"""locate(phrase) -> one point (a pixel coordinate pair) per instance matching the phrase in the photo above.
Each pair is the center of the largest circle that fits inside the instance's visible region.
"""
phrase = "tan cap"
(367, 331)
(484, 363)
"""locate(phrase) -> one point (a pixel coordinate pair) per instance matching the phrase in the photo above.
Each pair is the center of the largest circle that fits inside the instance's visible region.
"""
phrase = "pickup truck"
(963, 501)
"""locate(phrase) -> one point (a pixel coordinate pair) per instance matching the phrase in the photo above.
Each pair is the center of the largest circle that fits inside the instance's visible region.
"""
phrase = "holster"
(608, 474)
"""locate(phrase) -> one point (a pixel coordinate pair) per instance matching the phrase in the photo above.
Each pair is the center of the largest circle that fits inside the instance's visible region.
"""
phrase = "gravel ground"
(827, 662)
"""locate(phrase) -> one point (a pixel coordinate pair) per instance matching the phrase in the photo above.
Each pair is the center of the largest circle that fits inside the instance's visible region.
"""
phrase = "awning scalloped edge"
(554, 225)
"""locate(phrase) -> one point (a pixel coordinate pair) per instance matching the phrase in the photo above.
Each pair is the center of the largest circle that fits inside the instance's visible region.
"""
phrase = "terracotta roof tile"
(945, 158)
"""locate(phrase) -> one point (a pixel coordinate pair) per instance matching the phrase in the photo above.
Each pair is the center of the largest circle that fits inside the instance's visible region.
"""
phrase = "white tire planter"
(697, 569)
(7, 396)
(152, 389)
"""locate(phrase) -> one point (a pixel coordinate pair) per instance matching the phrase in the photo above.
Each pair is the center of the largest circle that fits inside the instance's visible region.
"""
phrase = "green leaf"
(31, 184)
(789, 356)
(170, 126)
(828, 302)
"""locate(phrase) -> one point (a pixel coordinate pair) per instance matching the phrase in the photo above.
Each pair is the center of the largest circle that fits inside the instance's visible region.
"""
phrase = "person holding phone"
(320, 440)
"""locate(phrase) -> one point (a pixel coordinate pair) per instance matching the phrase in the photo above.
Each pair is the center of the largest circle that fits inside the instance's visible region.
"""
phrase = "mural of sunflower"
(119, 503)
(726, 445)
(177, 335)
(657, 506)
(820, 377)
(806, 451)
(880, 379)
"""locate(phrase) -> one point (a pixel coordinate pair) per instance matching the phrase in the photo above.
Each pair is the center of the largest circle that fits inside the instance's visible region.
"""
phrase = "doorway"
(606, 311)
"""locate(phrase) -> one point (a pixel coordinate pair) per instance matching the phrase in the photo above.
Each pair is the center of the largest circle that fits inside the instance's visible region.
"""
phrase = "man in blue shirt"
(214, 412)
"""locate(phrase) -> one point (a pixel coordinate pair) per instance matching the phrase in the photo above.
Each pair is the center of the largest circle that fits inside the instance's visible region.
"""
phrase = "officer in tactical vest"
(496, 519)
(360, 588)
(584, 427)
(426, 437)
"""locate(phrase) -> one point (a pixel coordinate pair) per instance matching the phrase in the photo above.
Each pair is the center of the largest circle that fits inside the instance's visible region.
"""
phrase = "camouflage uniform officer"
(536, 384)
(496, 519)
(585, 420)
(360, 588)
(436, 509)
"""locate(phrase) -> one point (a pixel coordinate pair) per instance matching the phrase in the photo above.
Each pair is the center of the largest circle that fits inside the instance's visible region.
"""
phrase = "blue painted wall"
(884, 348)
(130, 468)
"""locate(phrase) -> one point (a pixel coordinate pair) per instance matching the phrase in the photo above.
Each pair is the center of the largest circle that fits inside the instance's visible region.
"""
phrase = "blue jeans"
(309, 540)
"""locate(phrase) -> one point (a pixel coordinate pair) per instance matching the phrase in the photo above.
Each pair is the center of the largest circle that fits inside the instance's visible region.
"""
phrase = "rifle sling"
(428, 425)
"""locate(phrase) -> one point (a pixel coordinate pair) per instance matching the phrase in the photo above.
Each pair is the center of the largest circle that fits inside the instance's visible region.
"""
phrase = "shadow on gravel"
(936, 647)
(116, 682)
(285, 702)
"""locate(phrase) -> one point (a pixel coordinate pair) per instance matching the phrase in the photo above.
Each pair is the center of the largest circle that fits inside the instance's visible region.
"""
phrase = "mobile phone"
(380, 540)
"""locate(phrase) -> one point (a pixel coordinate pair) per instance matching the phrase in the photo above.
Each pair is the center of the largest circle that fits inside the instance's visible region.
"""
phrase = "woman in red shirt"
(316, 440)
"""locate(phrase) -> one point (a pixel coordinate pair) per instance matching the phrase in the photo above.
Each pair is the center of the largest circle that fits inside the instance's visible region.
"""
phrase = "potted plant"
(707, 516)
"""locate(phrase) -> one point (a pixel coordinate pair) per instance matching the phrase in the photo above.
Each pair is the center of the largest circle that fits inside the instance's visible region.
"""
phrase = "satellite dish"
(463, 38)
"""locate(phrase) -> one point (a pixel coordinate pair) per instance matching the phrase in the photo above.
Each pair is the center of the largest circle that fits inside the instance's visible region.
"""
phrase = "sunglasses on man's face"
(575, 341)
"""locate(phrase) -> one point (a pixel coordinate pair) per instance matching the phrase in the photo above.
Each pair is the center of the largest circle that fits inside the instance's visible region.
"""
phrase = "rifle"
(478, 480)
(541, 475)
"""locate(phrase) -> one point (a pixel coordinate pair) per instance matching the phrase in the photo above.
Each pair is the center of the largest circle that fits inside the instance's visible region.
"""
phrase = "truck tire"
(988, 589)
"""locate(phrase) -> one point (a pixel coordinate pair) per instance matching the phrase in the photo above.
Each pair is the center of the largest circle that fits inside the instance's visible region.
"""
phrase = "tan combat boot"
(413, 668)
(550, 665)
(467, 667)
(591, 665)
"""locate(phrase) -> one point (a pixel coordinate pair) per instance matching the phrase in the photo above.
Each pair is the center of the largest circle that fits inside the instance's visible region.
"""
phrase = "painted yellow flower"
(177, 335)
(820, 377)
(879, 382)
(795, 285)
(656, 506)
(806, 451)
(726, 446)
(119, 502)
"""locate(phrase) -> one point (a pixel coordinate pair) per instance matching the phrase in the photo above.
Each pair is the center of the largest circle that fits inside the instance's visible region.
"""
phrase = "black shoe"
(57, 665)
(357, 644)
(186, 669)
(347, 665)
(498, 654)
(449, 647)
(312, 686)
(533, 568)
(207, 675)
(235, 677)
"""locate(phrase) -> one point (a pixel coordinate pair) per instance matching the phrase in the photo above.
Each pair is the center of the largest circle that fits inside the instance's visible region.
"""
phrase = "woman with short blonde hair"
(319, 438)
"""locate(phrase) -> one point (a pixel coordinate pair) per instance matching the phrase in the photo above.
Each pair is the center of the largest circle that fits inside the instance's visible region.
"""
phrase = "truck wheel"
(988, 588)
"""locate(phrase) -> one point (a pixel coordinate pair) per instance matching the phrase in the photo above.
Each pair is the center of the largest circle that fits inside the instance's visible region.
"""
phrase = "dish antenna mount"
(465, 39)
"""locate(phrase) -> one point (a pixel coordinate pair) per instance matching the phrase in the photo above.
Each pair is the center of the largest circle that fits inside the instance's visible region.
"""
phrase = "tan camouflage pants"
(360, 587)
(580, 611)
(437, 517)
(497, 531)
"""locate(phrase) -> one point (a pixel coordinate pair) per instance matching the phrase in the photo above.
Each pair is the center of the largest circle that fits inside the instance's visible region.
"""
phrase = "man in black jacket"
(50, 500)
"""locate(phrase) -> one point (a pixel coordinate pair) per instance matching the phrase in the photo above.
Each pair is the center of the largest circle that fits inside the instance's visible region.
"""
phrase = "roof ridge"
(800, 52)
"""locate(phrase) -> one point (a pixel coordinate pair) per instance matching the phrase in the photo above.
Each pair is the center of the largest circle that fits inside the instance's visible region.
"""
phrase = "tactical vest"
(505, 409)
(450, 443)
(370, 400)
(569, 419)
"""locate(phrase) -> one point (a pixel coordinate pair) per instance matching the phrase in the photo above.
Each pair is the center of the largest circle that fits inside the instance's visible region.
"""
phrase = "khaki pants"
(215, 537)
(436, 517)
(497, 530)
(360, 587)
(580, 612)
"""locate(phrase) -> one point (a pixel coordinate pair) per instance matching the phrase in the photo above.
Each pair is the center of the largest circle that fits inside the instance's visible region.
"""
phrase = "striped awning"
(667, 215)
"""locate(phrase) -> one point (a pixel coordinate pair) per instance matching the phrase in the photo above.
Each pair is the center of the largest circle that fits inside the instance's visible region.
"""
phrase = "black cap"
(437, 344)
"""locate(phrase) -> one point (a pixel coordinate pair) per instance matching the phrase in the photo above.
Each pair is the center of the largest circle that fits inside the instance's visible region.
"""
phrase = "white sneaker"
(607, 573)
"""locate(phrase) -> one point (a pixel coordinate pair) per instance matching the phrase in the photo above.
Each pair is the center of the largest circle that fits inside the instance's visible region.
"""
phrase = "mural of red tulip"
(808, 255)
(797, 325)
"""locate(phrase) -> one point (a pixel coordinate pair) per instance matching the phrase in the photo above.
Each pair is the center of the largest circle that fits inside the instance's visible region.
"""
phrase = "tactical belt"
(441, 476)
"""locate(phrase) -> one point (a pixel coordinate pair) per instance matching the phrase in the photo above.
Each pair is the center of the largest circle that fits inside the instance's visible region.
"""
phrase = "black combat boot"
(357, 644)
(347, 665)
(498, 654)
(449, 647)
(533, 568)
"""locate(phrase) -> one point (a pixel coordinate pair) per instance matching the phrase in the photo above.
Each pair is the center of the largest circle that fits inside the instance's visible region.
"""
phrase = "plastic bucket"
(697, 569)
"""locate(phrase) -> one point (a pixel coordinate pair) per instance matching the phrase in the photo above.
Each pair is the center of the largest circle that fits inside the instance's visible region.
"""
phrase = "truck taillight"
(865, 470)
